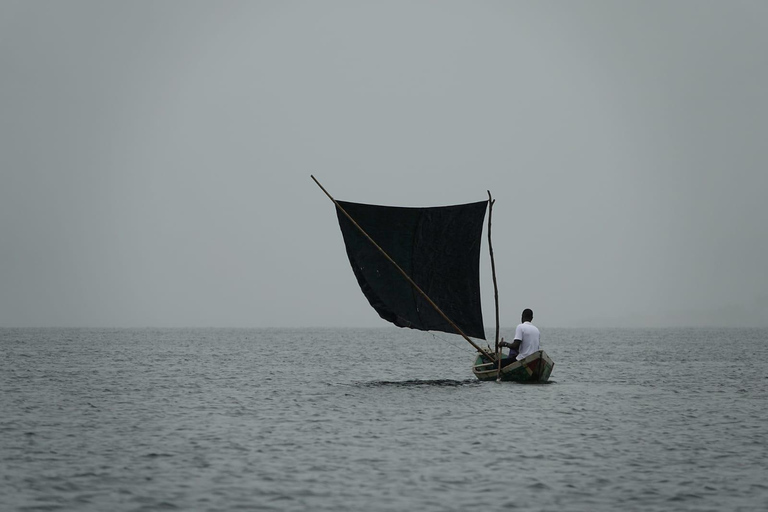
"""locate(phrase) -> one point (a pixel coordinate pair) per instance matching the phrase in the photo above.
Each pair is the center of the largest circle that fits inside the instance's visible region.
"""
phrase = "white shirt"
(528, 335)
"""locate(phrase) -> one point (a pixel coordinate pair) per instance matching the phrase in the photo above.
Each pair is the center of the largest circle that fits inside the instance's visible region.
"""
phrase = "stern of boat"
(536, 368)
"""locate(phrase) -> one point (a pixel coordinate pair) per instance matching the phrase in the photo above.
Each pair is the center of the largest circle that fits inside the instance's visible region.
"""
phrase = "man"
(526, 339)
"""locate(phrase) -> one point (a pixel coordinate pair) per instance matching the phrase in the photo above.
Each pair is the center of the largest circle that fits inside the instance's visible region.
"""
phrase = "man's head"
(527, 315)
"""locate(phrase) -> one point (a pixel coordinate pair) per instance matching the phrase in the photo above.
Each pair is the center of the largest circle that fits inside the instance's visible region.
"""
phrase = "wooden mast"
(406, 276)
(495, 286)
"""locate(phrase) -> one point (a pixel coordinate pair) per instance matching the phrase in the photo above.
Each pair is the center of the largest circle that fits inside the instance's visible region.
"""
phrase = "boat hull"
(536, 368)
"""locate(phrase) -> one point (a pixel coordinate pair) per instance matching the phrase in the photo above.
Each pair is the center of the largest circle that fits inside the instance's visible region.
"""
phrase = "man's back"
(528, 334)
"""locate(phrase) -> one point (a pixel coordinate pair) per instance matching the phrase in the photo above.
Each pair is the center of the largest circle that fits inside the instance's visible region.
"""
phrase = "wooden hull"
(535, 368)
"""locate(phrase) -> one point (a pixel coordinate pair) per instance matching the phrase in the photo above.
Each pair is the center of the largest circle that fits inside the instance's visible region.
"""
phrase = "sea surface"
(379, 420)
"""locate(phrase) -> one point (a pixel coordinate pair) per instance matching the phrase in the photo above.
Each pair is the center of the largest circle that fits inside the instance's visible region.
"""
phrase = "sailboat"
(420, 268)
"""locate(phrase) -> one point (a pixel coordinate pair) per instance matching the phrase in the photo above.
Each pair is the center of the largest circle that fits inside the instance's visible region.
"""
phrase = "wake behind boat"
(420, 268)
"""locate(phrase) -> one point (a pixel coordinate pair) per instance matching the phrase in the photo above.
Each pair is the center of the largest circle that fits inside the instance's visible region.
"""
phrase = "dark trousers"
(509, 360)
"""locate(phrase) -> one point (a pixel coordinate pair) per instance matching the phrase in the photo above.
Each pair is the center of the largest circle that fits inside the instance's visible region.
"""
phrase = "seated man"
(526, 340)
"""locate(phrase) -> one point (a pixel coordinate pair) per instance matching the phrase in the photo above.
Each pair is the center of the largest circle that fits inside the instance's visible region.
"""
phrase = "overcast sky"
(155, 156)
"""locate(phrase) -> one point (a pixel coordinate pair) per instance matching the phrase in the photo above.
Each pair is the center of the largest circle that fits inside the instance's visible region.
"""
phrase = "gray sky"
(155, 156)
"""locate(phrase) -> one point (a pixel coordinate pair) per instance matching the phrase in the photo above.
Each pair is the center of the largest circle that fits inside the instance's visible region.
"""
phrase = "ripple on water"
(210, 419)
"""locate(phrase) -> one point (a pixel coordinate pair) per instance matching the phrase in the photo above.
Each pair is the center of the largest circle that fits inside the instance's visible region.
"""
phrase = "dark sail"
(439, 248)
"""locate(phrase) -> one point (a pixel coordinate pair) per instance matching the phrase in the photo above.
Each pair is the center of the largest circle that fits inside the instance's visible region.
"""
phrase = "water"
(379, 419)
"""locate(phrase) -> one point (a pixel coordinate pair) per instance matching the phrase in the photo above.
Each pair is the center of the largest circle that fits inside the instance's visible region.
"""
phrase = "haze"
(155, 156)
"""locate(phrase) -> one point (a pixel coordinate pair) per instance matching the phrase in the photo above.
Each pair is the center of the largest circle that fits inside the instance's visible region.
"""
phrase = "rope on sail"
(461, 348)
